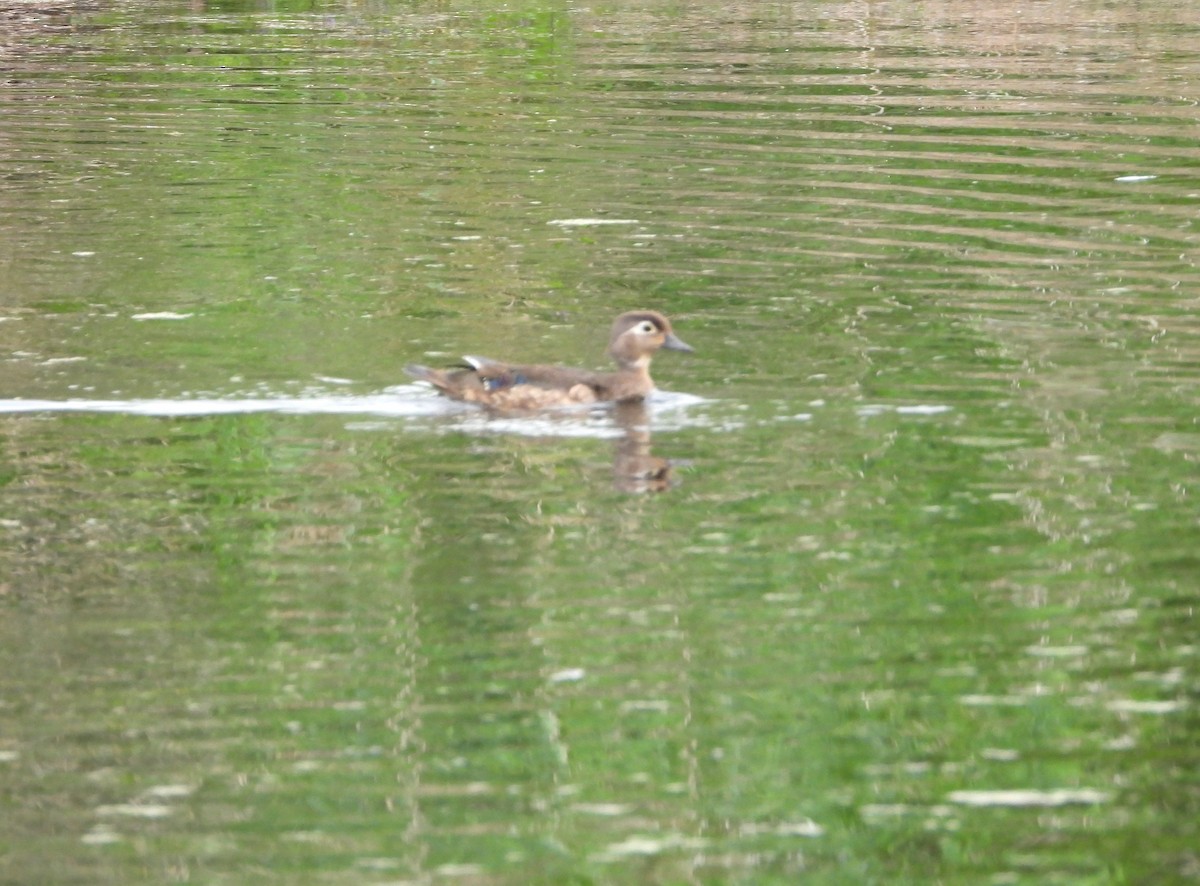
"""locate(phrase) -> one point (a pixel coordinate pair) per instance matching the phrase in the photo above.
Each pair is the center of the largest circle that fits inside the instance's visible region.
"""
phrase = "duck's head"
(636, 335)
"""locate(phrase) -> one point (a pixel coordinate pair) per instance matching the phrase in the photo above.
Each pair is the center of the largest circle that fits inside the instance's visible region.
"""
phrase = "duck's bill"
(674, 343)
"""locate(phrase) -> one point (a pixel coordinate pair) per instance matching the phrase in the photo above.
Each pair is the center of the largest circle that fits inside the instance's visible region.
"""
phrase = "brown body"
(510, 387)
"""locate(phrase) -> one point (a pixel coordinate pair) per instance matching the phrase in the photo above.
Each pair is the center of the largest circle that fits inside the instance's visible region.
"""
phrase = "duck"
(512, 387)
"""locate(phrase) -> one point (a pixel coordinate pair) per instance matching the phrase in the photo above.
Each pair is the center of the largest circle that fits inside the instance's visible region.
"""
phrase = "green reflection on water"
(933, 533)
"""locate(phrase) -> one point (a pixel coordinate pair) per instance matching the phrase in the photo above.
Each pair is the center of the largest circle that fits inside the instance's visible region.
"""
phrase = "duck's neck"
(634, 364)
(632, 379)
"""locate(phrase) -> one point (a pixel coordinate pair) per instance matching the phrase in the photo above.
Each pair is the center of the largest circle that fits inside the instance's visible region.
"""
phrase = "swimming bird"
(511, 387)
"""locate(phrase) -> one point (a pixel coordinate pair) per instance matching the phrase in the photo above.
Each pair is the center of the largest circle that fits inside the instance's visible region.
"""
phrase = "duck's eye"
(647, 328)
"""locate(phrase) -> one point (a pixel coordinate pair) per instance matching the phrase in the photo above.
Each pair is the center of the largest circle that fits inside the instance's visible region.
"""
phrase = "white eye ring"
(647, 328)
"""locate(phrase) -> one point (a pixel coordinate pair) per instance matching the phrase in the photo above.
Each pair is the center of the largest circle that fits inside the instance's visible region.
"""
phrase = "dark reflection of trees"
(635, 468)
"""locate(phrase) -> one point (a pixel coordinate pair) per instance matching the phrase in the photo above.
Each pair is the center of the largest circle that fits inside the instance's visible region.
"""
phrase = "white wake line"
(378, 404)
(404, 402)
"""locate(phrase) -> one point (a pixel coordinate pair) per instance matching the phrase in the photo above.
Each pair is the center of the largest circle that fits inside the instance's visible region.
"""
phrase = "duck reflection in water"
(514, 389)
(635, 467)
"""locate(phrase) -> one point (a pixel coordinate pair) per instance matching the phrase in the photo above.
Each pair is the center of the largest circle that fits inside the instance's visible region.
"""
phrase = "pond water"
(917, 601)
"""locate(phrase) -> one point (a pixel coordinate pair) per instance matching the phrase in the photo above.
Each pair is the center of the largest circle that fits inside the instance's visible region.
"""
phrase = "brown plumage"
(508, 387)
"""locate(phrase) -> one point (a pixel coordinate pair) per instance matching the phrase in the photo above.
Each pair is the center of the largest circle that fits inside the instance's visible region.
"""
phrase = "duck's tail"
(416, 370)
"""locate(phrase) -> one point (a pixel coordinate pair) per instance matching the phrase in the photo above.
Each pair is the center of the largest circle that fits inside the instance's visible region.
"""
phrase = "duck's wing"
(558, 378)
(506, 386)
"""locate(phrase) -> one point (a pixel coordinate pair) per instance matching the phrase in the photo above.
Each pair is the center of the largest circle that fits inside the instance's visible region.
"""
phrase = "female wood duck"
(510, 387)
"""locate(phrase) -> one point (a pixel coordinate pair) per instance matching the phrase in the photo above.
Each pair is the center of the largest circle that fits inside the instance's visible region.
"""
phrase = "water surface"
(916, 601)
